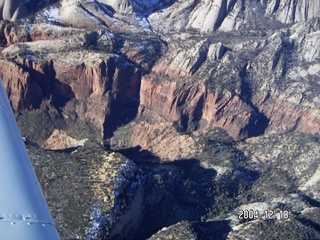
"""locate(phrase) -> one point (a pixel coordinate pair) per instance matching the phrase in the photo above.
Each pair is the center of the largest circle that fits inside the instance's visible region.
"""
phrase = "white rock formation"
(291, 11)
(216, 51)
(136, 6)
(71, 13)
(227, 15)
(120, 6)
(172, 16)
(12, 9)
(208, 15)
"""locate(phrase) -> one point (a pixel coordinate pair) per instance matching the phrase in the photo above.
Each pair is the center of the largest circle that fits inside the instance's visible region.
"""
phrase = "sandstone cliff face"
(286, 117)
(24, 93)
(237, 100)
(210, 16)
(192, 107)
(240, 101)
(206, 97)
(93, 81)
(205, 15)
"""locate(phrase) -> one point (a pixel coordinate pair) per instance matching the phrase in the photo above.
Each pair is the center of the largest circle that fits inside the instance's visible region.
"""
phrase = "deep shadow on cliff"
(181, 190)
(256, 77)
(139, 156)
(52, 90)
(121, 113)
(261, 122)
(212, 230)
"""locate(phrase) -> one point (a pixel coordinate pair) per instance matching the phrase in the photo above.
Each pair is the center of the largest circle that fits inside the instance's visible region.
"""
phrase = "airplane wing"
(24, 213)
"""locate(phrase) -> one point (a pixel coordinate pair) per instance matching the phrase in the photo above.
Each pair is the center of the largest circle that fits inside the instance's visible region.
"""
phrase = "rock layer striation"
(204, 98)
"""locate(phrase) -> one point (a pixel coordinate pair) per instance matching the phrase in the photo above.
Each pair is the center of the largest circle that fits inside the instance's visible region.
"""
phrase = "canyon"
(164, 119)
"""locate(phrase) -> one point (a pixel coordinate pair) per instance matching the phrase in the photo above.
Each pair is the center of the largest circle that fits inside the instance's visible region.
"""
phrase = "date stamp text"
(251, 214)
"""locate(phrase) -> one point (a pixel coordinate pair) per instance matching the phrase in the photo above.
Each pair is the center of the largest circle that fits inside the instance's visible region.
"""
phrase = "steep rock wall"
(191, 81)
(194, 107)
(286, 117)
(84, 91)
(228, 15)
(23, 92)
(121, 6)
(293, 11)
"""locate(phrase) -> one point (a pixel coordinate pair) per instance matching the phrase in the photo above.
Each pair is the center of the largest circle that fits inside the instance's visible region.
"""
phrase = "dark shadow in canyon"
(47, 87)
(124, 99)
(138, 10)
(106, 8)
(34, 6)
(212, 230)
(310, 201)
(140, 156)
(122, 112)
(260, 121)
(186, 123)
(184, 190)
(309, 223)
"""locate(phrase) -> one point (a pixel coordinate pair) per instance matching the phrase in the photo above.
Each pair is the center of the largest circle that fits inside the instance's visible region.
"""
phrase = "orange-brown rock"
(23, 92)
(163, 140)
(96, 86)
(60, 140)
(93, 81)
(285, 116)
(96, 78)
(12, 33)
(86, 81)
(193, 106)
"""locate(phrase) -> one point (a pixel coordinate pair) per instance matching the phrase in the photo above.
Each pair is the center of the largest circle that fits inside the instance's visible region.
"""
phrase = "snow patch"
(97, 221)
(28, 27)
(51, 14)
(30, 57)
(313, 180)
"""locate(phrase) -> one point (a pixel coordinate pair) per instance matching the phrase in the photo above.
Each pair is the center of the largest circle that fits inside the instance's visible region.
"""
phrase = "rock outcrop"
(22, 92)
(192, 107)
(241, 101)
(93, 81)
(179, 230)
(122, 6)
(214, 104)
(12, 9)
(226, 15)
(293, 11)
(59, 140)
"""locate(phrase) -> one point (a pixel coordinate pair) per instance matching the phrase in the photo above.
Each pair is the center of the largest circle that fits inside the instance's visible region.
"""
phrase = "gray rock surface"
(227, 15)
(293, 11)
(170, 119)
(123, 6)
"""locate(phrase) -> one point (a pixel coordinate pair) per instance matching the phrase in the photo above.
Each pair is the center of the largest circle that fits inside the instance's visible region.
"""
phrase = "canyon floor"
(170, 119)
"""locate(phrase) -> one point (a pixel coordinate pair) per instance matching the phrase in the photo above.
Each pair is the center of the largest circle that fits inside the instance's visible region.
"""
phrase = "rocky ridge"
(218, 97)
